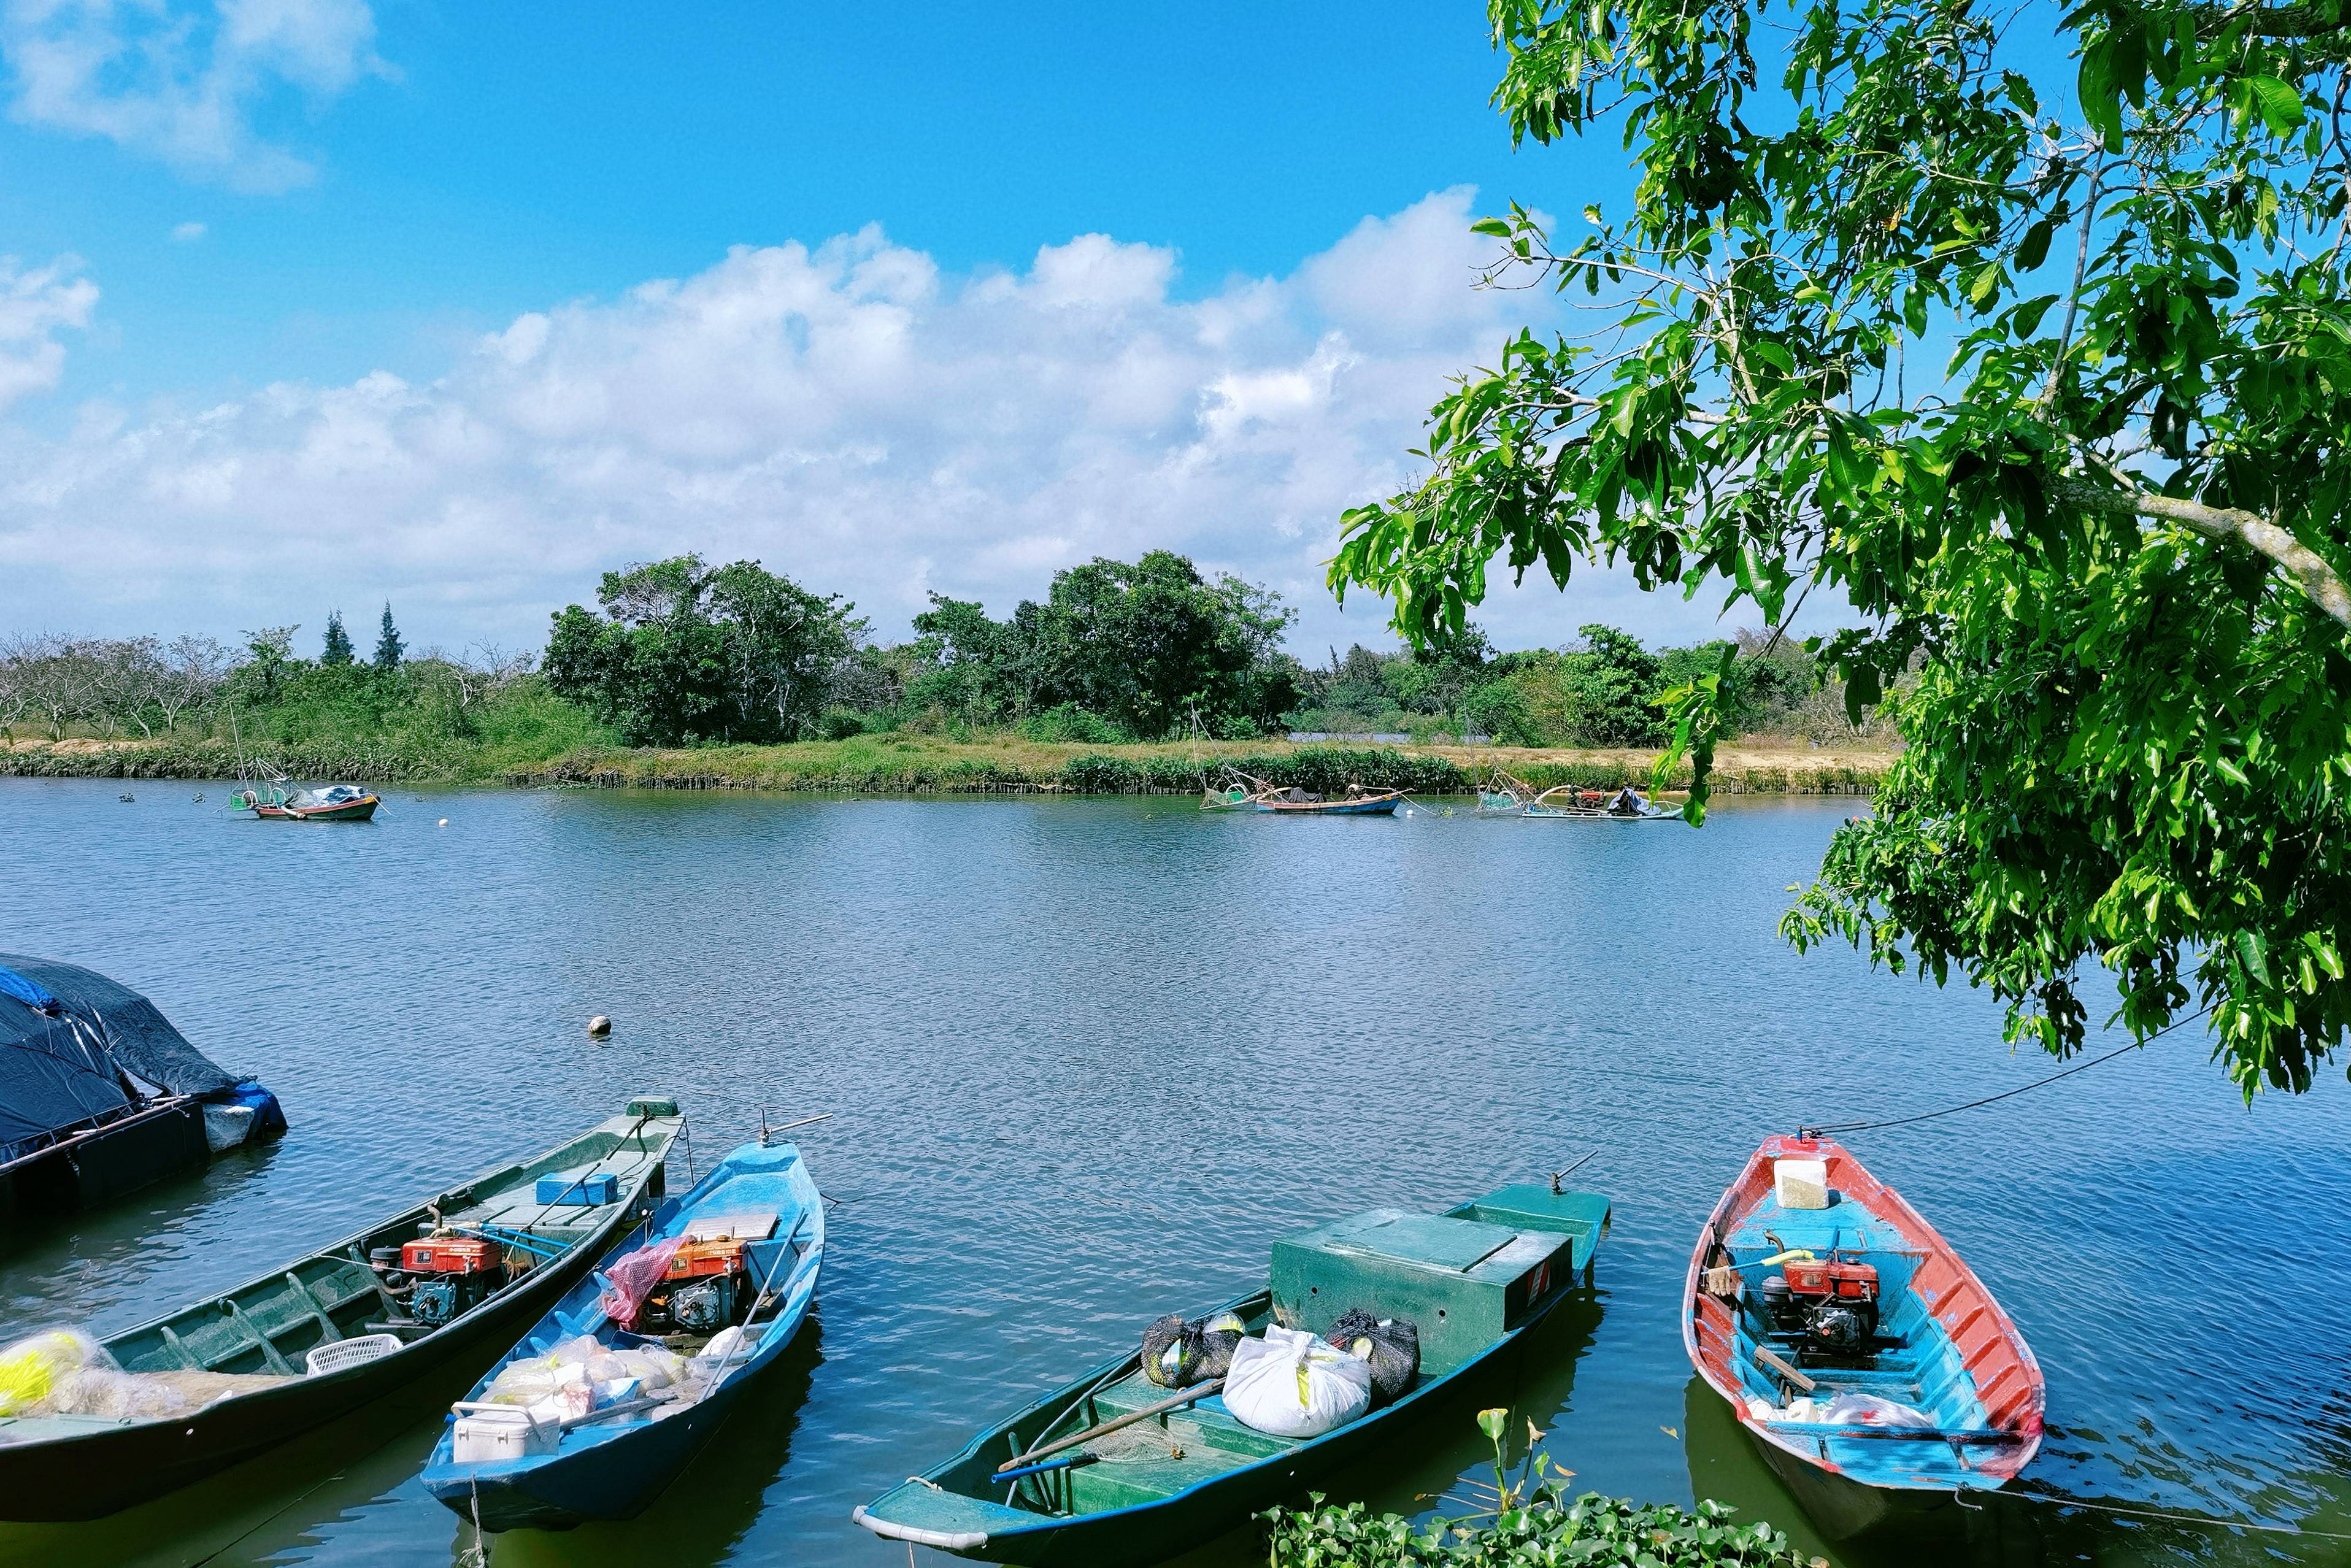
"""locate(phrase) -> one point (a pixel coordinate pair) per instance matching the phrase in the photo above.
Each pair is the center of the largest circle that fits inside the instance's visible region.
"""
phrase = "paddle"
(1189, 1396)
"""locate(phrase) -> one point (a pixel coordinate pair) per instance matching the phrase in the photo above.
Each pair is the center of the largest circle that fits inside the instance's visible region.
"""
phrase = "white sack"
(1294, 1385)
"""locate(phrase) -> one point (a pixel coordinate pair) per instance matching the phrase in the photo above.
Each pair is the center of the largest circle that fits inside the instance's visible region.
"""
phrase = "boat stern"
(924, 1513)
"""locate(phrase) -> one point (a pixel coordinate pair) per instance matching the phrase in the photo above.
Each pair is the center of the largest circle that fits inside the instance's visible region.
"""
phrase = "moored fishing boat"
(514, 1456)
(100, 1095)
(1113, 1470)
(274, 803)
(88, 1428)
(1868, 1364)
(1505, 796)
(1256, 794)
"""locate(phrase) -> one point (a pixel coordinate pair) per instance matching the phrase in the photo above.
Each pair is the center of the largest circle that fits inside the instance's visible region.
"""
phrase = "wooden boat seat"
(1124, 1482)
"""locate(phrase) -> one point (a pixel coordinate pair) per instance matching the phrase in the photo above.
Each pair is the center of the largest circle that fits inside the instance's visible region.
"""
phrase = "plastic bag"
(1177, 1355)
(1292, 1384)
(657, 1367)
(633, 1277)
(1871, 1410)
(1390, 1347)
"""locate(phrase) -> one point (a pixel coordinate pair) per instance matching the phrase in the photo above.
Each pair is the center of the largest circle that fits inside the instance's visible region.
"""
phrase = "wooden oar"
(1189, 1395)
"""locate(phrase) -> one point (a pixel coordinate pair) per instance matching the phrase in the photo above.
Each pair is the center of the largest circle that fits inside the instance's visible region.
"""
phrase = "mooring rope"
(2208, 1520)
(2012, 1093)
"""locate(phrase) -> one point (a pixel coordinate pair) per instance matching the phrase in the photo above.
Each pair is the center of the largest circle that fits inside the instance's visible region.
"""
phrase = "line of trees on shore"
(680, 652)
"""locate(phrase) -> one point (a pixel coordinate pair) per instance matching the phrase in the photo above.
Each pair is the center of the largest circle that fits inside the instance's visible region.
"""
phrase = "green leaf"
(2280, 105)
(1498, 228)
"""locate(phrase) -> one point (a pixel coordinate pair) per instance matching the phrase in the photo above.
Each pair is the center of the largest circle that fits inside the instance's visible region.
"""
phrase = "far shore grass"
(922, 764)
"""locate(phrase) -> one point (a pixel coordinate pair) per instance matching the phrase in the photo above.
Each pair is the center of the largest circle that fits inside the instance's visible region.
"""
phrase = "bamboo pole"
(1189, 1395)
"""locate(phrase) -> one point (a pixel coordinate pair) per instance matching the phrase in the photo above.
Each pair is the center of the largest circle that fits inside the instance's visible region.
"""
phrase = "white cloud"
(182, 81)
(847, 414)
(36, 305)
(187, 233)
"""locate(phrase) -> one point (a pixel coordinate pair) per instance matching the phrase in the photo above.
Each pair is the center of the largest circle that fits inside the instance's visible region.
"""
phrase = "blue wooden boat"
(1122, 1475)
(611, 1464)
(1870, 1366)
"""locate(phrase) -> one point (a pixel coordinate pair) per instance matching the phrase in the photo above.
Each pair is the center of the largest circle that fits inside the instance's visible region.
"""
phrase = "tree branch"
(2318, 581)
(2306, 19)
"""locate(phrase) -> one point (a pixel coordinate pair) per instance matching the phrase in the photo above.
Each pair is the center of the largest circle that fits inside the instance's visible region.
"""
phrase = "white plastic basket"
(347, 1353)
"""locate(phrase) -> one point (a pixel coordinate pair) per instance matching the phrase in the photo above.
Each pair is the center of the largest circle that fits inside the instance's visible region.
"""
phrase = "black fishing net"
(1177, 1353)
(1392, 1346)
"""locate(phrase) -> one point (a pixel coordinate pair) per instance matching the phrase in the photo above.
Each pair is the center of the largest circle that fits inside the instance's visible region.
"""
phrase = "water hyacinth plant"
(1529, 1520)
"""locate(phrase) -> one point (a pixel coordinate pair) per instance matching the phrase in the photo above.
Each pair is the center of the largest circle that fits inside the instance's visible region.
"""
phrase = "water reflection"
(265, 1505)
(2012, 1530)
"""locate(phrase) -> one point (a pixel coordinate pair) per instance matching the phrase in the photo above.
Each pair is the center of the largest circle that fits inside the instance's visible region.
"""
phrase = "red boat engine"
(1832, 1304)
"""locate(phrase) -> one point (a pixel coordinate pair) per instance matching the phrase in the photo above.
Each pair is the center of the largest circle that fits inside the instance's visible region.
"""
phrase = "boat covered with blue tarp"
(100, 1095)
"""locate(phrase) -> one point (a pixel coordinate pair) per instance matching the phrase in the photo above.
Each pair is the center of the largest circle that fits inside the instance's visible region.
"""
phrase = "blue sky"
(318, 302)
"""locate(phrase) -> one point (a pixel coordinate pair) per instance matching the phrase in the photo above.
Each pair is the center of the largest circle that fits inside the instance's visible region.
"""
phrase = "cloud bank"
(847, 414)
(182, 83)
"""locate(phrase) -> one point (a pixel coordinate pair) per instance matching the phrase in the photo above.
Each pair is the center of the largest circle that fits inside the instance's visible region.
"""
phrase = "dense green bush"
(686, 653)
(1135, 649)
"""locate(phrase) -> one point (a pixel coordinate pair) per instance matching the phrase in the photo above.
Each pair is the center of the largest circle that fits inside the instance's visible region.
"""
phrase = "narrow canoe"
(1943, 1346)
(1475, 1280)
(612, 1469)
(67, 1467)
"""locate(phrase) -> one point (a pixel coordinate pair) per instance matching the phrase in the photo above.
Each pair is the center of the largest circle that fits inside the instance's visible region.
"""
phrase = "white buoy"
(444, 822)
(600, 1026)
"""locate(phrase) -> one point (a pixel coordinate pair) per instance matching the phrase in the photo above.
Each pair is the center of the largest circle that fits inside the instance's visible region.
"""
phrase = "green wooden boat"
(331, 1332)
(1475, 1279)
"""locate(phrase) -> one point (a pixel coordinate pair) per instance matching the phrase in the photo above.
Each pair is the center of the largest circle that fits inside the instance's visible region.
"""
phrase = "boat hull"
(1843, 1509)
(358, 810)
(107, 1468)
(88, 1478)
(1378, 806)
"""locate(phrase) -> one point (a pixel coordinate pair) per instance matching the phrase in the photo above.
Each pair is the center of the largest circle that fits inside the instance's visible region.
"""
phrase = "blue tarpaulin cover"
(68, 1036)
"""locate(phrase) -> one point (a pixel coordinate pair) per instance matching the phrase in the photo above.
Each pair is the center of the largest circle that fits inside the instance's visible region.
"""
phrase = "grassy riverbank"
(919, 764)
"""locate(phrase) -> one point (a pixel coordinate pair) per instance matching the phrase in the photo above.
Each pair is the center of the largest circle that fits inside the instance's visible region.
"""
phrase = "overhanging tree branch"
(2317, 579)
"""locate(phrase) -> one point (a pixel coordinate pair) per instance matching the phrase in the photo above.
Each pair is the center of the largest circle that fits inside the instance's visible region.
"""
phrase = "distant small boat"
(242, 1372)
(334, 803)
(1139, 1477)
(1871, 1368)
(1504, 796)
(611, 1463)
(1256, 794)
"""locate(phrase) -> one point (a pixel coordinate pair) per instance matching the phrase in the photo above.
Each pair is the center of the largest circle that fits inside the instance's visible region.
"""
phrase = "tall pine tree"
(338, 643)
(388, 646)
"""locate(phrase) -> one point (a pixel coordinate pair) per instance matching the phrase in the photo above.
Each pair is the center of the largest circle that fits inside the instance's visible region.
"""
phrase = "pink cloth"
(630, 1280)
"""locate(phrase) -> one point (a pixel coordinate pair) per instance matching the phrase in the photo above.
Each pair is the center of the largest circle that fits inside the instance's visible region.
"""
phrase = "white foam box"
(493, 1436)
(1801, 1184)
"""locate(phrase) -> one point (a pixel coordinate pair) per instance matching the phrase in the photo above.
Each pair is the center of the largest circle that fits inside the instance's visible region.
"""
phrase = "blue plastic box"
(581, 1190)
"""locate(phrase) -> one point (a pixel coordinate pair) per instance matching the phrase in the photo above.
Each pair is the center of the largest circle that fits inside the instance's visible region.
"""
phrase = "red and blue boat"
(1871, 1368)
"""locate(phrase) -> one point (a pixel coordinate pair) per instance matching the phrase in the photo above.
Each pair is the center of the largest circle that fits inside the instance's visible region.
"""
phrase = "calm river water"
(1086, 1060)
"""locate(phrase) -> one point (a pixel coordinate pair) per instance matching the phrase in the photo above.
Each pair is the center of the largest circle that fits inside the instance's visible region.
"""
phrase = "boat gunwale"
(1916, 1231)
